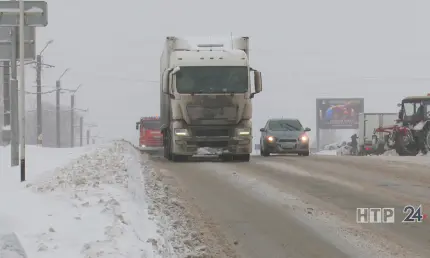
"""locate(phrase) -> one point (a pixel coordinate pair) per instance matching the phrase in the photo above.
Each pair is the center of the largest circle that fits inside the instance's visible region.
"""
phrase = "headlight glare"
(181, 132)
(243, 131)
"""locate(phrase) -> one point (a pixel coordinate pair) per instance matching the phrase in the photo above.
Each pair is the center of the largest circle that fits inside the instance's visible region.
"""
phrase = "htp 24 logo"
(413, 215)
(387, 215)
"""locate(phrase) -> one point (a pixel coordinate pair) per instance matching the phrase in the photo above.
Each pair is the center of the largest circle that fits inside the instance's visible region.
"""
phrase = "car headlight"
(181, 132)
(243, 131)
(142, 146)
(270, 138)
(304, 138)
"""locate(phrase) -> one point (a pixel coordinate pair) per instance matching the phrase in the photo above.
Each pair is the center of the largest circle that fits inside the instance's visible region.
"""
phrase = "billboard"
(339, 113)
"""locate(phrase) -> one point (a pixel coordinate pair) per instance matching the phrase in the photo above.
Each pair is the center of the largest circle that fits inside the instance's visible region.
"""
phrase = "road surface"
(300, 207)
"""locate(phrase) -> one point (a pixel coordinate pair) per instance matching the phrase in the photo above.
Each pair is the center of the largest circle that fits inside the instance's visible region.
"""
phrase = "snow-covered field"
(80, 202)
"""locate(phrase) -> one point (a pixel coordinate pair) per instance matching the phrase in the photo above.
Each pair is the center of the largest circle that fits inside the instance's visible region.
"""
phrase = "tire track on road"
(257, 227)
(337, 196)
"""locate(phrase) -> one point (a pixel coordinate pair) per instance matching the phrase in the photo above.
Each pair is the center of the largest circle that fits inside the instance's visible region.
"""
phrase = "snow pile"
(93, 207)
(334, 146)
(327, 152)
(390, 153)
(178, 227)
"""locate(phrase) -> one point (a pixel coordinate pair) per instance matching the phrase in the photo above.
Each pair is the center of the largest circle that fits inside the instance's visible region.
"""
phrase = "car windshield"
(212, 79)
(151, 124)
(285, 125)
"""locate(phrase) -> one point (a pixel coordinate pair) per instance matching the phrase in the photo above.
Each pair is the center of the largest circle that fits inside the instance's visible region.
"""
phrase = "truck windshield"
(212, 79)
(151, 124)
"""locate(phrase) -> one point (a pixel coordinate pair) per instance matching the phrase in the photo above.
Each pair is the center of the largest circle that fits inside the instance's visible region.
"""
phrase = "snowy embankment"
(91, 206)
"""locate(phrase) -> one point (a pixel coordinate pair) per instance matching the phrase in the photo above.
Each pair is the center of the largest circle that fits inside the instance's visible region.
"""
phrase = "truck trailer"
(206, 97)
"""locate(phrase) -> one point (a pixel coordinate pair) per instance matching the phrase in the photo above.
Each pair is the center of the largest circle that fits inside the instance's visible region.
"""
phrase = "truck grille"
(216, 144)
(153, 142)
(210, 132)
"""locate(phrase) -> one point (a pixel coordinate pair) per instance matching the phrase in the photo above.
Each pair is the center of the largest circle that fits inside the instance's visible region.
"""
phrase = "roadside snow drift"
(92, 207)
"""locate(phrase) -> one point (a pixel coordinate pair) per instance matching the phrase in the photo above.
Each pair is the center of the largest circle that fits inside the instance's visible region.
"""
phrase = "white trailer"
(205, 97)
(368, 122)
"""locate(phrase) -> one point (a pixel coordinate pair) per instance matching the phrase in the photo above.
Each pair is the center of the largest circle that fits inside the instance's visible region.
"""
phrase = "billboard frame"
(318, 119)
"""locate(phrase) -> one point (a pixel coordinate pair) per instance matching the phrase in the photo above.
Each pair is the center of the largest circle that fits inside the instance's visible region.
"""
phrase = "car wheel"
(263, 152)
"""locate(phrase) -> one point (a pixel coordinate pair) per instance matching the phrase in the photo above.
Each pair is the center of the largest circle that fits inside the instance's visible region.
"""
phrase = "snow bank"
(88, 208)
(327, 152)
(39, 160)
(177, 227)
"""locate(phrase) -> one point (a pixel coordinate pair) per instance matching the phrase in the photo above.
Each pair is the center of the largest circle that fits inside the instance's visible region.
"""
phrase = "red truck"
(150, 137)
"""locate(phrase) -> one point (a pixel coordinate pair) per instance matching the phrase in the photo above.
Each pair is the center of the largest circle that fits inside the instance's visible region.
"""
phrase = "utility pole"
(22, 87)
(1, 114)
(57, 111)
(88, 136)
(89, 132)
(81, 129)
(13, 96)
(6, 103)
(57, 107)
(72, 114)
(39, 98)
(39, 93)
(72, 120)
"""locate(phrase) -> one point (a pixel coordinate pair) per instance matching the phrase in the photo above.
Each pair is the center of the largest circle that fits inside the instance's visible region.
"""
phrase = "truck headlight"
(181, 132)
(243, 131)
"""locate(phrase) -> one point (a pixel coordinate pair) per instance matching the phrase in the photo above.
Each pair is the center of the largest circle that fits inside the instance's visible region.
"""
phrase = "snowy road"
(287, 206)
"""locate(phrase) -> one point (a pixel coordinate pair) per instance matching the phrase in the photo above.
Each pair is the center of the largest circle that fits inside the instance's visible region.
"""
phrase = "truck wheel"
(226, 157)
(179, 158)
(168, 146)
(165, 147)
(242, 157)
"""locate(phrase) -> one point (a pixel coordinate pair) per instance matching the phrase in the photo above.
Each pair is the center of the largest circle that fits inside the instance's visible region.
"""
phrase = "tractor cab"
(414, 109)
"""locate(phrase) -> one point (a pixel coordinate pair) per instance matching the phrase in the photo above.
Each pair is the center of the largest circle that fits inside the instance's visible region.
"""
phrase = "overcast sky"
(376, 49)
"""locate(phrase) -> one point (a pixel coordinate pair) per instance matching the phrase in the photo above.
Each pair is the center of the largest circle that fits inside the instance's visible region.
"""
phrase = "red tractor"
(150, 137)
(412, 132)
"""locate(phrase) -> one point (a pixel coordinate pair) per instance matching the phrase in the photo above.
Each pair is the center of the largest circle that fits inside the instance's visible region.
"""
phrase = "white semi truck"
(206, 97)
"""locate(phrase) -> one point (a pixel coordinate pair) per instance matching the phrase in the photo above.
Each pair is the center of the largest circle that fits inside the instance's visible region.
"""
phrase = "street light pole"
(72, 120)
(72, 114)
(22, 87)
(57, 106)
(57, 113)
(39, 93)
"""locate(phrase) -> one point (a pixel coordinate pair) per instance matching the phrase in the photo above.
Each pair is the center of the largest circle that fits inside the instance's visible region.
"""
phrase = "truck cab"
(206, 98)
(150, 137)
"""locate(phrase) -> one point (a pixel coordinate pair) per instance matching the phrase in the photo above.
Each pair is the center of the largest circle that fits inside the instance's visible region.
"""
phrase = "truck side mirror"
(400, 114)
(262, 130)
(167, 80)
(399, 104)
(307, 129)
(137, 125)
(258, 83)
(165, 88)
